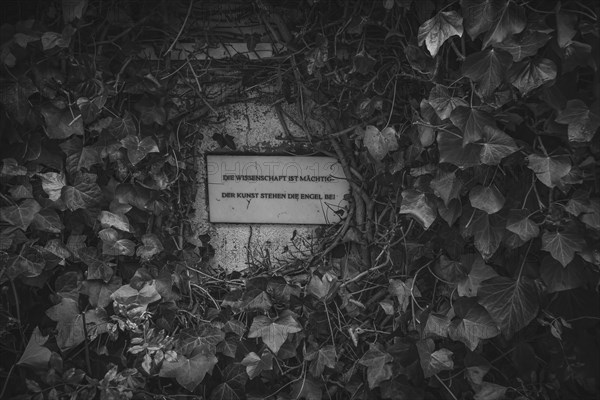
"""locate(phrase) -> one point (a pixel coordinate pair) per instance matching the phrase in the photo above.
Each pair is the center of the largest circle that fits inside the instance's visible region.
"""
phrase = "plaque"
(275, 189)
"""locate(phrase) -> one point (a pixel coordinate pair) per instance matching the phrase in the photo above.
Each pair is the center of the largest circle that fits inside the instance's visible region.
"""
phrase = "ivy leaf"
(61, 124)
(562, 246)
(380, 143)
(565, 28)
(378, 363)
(402, 291)
(127, 295)
(509, 20)
(78, 156)
(203, 335)
(475, 323)
(450, 271)
(432, 361)
(138, 149)
(490, 391)
(446, 185)
(559, 278)
(452, 151)
(15, 98)
(29, 263)
(451, 212)
(121, 247)
(225, 140)
(435, 31)
(524, 45)
(189, 372)
(233, 386)
(495, 145)
(417, 205)
(486, 198)
(91, 108)
(579, 203)
(472, 123)
(513, 304)
(325, 356)
(280, 290)
(20, 192)
(478, 271)
(592, 217)
(531, 73)
(98, 265)
(419, 60)
(85, 193)
(255, 364)
(110, 220)
(363, 62)
(550, 169)
(436, 326)
(487, 230)
(320, 288)
(479, 15)
(36, 355)
(54, 39)
(52, 183)
(235, 326)
(151, 247)
(151, 111)
(70, 323)
(20, 215)
(10, 168)
(123, 126)
(100, 292)
(10, 236)
(273, 332)
(443, 103)
(48, 220)
(256, 299)
(583, 122)
(487, 68)
(520, 224)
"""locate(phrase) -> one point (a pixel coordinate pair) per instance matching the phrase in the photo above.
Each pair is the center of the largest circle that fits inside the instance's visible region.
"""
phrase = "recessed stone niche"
(257, 129)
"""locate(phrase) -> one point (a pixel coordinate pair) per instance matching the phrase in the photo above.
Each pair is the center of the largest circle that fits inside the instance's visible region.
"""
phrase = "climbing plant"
(466, 268)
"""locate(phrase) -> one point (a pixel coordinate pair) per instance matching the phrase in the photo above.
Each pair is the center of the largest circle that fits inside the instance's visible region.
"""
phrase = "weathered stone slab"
(275, 189)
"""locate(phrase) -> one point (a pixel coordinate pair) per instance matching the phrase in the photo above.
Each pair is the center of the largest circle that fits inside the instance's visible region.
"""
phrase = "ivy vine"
(467, 267)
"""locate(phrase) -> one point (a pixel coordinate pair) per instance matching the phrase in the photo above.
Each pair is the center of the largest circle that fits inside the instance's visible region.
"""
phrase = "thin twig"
(199, 89)
(181, 29)
(125, 32)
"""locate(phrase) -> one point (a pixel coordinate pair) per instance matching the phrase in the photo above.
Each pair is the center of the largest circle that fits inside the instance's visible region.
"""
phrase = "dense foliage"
(467, 267)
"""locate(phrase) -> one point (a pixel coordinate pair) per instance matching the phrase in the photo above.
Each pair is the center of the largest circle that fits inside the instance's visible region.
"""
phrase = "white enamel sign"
(276, 189)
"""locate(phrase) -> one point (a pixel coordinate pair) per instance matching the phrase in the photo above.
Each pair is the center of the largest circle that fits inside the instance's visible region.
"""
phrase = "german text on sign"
(276, 189)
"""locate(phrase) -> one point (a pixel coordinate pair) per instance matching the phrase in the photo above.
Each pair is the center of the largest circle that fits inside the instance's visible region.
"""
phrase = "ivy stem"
(6, 381)
(445, 387)
(524, 259)
(88, 363)
(393, 103)
(539, 139)
(460, 55)
(412, 296)
(529, 191)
